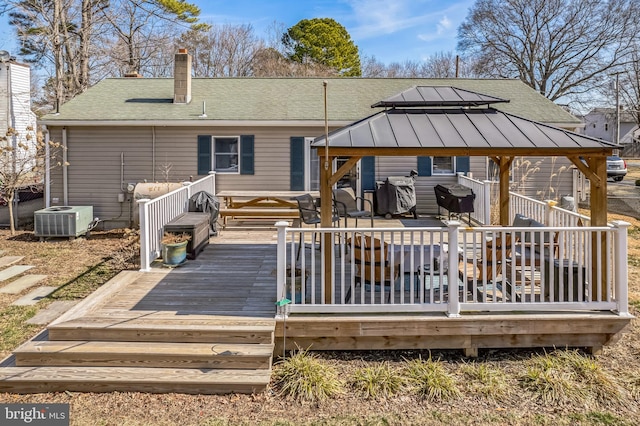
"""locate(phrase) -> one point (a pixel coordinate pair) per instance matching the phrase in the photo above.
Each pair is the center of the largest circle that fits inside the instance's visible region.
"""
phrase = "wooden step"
(163, 330)
(147, 354)
(132, 379)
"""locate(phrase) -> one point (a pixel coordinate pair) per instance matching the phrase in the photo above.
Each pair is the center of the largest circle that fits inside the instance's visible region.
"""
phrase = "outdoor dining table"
(262, 199)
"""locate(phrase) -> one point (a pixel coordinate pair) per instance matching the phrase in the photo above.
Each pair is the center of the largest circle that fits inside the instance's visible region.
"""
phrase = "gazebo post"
(326, 213)
(504, 165)
(599, 218)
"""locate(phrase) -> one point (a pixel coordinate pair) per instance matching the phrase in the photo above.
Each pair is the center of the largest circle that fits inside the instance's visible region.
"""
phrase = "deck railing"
(490, 268)
(156, 213)
(546, 212)
(482, 203)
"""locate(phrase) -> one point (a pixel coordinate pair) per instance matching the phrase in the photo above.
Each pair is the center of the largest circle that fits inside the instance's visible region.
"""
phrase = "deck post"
(548, 212)
(488, 202)
(145, 244)
(453, 307)
(281, 259)
(621, 273)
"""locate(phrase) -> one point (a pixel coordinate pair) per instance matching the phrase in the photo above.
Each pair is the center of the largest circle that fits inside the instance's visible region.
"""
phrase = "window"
(312, 178)
(444, 166)
(226, 155)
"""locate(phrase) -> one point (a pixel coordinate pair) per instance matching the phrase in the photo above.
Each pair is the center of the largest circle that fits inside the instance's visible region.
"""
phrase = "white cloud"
(442, 29)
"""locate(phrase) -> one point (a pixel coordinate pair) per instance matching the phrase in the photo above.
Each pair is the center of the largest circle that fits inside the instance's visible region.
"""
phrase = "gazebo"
(448, 121)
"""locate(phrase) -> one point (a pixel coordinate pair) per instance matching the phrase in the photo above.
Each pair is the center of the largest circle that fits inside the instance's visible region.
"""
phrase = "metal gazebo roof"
(438, 96)
(459, 131)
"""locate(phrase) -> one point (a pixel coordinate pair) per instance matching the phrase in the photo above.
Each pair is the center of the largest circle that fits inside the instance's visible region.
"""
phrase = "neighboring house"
(255, 133)
(15, 100)
(601, 123)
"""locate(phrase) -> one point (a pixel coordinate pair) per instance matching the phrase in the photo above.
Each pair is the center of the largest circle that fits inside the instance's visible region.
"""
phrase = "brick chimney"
(182, 78)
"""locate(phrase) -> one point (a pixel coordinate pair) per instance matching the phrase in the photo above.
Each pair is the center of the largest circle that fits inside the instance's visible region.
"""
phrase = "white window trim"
(307, 163)
(213, 154)
(455, 166)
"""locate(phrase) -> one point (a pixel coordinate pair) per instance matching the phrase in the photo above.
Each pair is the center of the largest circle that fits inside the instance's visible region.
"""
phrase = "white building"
(15, 99)
(601, 123)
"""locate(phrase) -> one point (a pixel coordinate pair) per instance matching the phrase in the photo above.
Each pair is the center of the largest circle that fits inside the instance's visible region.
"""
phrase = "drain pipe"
(65, 177)
(47, 168)
(153, 153)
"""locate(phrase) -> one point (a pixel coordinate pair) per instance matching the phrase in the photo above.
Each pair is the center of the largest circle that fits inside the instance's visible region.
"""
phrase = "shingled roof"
(256, 101)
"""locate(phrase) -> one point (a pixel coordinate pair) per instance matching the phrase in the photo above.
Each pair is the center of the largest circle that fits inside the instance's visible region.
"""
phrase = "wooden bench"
(268, 213)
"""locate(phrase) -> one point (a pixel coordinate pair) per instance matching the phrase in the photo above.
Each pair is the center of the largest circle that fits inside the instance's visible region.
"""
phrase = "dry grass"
(491, 390)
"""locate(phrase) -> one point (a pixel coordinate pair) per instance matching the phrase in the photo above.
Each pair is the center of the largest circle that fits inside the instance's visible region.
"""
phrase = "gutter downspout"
(153, 153)
(47, 169)
(65, 178)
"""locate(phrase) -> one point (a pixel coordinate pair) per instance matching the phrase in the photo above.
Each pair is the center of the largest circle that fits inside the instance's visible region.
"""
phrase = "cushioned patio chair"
(487, 272)
(372, 264)
(346, 204)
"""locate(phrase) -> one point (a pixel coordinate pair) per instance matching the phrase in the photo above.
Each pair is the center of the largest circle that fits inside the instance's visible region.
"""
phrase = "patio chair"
(346, 203)
(488, 272)
(372, 264)
(310, 215)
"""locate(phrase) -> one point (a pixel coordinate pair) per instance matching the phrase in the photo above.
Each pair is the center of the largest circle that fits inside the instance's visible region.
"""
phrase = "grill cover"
(396, 195)
(206, 203)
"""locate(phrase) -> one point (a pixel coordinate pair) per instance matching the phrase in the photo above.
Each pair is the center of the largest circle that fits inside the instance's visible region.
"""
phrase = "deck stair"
(92, 349)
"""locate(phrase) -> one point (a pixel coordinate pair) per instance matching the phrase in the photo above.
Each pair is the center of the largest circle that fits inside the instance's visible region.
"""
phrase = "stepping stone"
(12, 271)
(22, 283)
(35, 296)
(9, 260)
(52, 312)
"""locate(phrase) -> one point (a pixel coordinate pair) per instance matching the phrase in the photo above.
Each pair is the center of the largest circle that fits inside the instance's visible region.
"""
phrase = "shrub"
(379, 380)
(305, 377)
(430, 380)
(486, 380)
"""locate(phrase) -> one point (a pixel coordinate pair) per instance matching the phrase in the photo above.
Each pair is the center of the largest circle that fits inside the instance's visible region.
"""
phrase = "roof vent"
(133, 74)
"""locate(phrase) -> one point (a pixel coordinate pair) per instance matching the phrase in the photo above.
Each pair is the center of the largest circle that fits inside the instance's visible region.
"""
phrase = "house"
(255, 133)
(15, 99)
(601, 123)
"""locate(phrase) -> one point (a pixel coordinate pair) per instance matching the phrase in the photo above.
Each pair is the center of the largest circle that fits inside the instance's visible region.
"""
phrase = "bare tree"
(629, 86)
(558, 47)
(23, 163)
(222, 51)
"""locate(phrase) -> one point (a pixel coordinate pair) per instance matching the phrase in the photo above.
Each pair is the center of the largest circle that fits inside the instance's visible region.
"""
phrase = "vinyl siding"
(94, 163)
(15, 99)
(536, 177)
(94, 156)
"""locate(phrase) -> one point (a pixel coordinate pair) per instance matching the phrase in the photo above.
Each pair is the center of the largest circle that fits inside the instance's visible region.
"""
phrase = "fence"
(546, 212)
(491, 269)
(156, 213)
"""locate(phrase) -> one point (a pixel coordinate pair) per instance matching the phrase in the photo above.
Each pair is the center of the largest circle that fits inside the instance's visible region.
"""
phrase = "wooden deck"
(208, 327)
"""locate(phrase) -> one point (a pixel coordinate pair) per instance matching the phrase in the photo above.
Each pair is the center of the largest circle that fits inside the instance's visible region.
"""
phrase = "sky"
(389, 30)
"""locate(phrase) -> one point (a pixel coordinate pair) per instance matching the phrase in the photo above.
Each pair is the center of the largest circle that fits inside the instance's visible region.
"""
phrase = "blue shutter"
(296, 155)
(204, 154)
(246, 155)
(424, 166)
(368, 173)
(463, 165)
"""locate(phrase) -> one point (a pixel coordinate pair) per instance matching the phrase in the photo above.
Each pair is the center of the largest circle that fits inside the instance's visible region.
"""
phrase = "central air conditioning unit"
(63, 221)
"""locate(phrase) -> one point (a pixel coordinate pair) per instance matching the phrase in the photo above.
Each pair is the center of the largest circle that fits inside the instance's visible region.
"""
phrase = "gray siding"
(94, 171)
(536, 177)
(94, 156)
